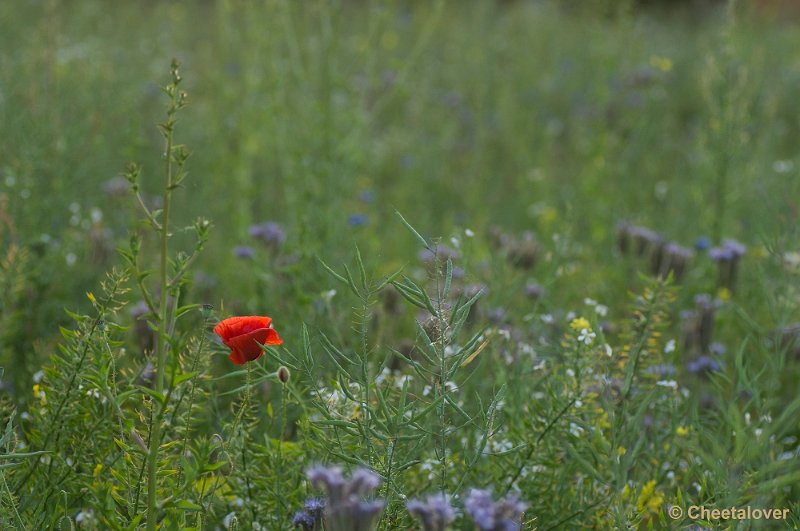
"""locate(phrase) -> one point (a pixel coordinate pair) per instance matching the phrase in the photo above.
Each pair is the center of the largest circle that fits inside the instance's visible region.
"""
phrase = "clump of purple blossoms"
(703, 365)
(727, 257)
(441, 251)
(698, 324)
(269, 233)
(434, 512)
(245, 252)
(310, 518)
(345, 508)
(489, 515)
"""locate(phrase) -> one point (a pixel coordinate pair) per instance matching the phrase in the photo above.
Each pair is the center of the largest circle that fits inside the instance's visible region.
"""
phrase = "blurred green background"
(325, 116)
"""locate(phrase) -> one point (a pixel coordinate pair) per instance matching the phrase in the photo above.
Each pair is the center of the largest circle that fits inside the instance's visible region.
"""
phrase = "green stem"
(162, 346)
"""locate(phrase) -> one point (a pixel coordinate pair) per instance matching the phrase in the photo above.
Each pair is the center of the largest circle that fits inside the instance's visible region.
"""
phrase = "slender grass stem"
(164, 325)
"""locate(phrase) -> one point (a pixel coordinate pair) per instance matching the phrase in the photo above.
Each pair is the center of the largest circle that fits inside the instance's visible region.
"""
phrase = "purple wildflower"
(311, 516)
(673, 258)
(303, 520)
(443, 252)
(345, 510)
(703, 365)
(727, 257)
(143, 334)
(116, 187)
(488, 515)
(662, 370)
(244, 251)
(717, 348)
(270, 234)
(435, 512)
(533, 290)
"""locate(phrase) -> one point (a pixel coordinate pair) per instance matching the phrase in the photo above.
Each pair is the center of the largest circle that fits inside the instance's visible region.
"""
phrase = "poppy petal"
(249, 345)
(272, 338)
(236, 357)
(237, 326)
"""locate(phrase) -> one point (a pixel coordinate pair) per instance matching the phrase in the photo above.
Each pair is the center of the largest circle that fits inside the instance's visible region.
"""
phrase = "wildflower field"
(348, 265)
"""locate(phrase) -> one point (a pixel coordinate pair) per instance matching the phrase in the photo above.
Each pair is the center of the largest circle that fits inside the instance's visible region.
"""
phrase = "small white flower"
(402, 380)
(589, 302)
(609, 352)
(37, 376)
(667, 383)
(451, 387)
(575, 430)
(228, 520)
(586, 336)
(526, 349)
(427, 390)
(783, 166)
(547, 318)
(670, 346)
(469, 233)
(84, 516)
(328, 295)
(96, 214)
(382, 376)
(601, 310)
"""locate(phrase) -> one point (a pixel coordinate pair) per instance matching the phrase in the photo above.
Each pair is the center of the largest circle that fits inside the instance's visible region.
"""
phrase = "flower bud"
(283, 374)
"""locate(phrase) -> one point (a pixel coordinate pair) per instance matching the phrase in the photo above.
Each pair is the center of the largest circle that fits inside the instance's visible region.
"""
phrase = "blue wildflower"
(357, 220)
(702, 243)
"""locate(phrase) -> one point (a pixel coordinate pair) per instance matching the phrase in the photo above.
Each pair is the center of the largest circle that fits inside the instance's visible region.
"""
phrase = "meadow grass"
(544, 249)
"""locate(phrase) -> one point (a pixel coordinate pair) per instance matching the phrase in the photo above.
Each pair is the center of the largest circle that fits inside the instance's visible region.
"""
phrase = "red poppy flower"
(245, 335)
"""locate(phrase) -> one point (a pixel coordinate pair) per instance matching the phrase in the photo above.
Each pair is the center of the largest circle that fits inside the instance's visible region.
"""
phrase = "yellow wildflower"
(580, 323)
(683, 431)
(649, 500)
